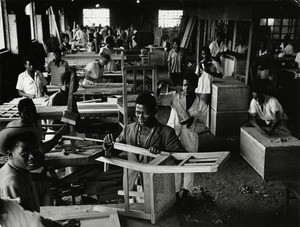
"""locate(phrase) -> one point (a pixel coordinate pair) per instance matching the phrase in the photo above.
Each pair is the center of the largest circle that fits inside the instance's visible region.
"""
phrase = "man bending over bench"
(267, 113)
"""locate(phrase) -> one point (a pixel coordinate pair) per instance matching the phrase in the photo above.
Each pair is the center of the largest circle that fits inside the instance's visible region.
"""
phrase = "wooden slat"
(132, 193)
(156, 169)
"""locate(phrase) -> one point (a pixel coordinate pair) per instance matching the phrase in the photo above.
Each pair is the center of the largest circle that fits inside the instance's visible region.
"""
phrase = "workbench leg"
(287, 200)
(126, 190)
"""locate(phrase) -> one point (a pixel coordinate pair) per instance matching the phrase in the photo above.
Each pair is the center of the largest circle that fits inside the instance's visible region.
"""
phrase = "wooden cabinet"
(229, 106)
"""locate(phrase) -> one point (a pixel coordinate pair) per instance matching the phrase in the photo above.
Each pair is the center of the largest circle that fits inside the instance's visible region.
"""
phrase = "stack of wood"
(229, 106)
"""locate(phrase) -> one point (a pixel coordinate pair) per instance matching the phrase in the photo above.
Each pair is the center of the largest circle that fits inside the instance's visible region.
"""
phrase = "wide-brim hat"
(15, 128)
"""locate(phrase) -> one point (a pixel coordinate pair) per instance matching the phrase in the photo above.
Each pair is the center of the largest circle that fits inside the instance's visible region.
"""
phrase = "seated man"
(267, 113)
(31, 83)
(65, 47)
(56, 68)
(19, 143)
(147, 133)
(188, 118)
(93, 71)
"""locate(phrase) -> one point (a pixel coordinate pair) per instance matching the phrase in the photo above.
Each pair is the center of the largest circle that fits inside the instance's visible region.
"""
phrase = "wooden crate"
(229, 94)
(273, 157)
(227, 122)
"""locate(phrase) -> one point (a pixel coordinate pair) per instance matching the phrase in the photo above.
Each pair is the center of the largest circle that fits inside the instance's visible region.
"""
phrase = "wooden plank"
(126, 189)
(200, 155)
(250, 40)
(184, 160)
(132, 193)
(160, 159)
(156, 169)
(135, 150)
(85, 213)
(139, 67)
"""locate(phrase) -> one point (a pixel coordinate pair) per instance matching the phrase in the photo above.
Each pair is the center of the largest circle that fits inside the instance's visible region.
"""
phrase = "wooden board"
(227, 122)
(273, 157)
(58, 159)
(229, 94)
(85, 213)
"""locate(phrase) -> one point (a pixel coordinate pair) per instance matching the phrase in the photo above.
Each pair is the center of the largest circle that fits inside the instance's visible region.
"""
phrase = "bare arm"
(22, 93)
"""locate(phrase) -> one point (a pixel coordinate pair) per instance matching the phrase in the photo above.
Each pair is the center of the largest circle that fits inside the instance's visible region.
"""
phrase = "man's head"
(205, 52)
(190, 83)
(176, 43)
(286, 39)
(264, 44)
(220, 36)
(57, 54)
(258, 95)
(27, 61)
(109, 40)
(145, 108)
(65, 38)
(21, 148)
(28, 111)
(104, 59)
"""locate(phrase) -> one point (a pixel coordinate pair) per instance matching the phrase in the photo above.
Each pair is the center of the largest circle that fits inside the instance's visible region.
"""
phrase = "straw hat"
(15, 128)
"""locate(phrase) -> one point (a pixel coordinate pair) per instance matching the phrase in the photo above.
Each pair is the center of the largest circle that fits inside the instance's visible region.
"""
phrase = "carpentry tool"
(69, 116)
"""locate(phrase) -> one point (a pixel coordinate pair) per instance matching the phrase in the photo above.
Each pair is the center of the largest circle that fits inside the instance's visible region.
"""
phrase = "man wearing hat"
(20, 143)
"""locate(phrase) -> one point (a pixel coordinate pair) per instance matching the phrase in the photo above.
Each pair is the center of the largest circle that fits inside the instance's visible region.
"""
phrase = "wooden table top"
(56, 159)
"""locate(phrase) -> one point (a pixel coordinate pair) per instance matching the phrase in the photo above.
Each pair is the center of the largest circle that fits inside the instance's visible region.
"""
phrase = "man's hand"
(71, 223)
(108, 144)
(31, 96)
(154, 150)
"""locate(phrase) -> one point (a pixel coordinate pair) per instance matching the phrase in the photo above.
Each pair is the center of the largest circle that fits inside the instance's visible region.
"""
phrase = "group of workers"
(23, 177)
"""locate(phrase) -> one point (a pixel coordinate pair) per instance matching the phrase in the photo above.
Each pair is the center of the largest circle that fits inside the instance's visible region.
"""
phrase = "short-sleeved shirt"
(215, 48)
(286, 50)
(31, 86)
(94, 72)
(270, 107)
(205, 79)
(175, 59)
(57, 71)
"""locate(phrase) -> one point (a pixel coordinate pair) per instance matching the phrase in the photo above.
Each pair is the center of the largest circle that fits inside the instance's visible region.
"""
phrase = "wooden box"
(274, 157)
(229, 94)
(227, 122)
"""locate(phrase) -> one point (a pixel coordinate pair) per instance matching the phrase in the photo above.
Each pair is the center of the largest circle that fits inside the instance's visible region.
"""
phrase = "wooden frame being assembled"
(158, 178)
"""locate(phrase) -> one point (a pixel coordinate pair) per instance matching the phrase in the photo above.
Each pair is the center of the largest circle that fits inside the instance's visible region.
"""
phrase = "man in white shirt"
(285, 47)
(93, 71)
(31, 83)
(267, 113)
(218, 47)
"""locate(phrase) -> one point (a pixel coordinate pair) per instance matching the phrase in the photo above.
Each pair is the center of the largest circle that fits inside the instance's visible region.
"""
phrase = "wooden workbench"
(85, 213)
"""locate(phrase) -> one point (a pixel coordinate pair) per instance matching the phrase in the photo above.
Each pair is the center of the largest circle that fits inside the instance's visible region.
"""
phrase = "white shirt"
(215, 48)
(205, 79)
(188, 136)
(31, 86)
(270, 107)
(287, 50)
